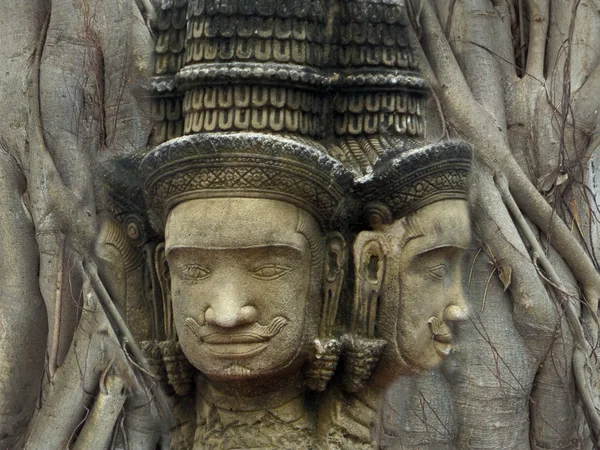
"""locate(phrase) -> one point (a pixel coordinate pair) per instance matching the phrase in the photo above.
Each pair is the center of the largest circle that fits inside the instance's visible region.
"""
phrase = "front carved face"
(418, 273)
(244, 285)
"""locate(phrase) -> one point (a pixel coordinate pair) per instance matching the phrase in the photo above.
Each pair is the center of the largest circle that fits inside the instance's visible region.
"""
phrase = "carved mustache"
(439, 330)
(255, 332)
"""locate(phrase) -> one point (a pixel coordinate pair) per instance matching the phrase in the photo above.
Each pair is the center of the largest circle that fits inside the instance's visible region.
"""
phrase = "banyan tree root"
(584, 367)
(66, 398)
(465, 94)
(104, 414)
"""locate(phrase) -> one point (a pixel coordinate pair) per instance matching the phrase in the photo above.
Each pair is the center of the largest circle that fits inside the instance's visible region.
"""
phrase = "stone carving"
(283, 130)
(291, 68)
(417, 208)
(254, 66)
(254, 271)
(253, 108)
(408, 282)
(169, 58)
(258, 267)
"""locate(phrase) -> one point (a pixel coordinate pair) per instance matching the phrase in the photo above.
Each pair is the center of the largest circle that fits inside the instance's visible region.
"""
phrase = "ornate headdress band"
(243, 165)
(416, 178)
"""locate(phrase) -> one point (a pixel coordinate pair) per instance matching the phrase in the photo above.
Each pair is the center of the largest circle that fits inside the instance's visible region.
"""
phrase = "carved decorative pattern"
(367, 113)
(169, 54)
(268, 66)
(179, 371)
(373, 33)
(322, 364)
(288, 75)
(265, 31)
(253, 108)
(170, 36)
(168, 118)
(361, 357)
(114, 235)
(153, 354)
(250, 165)
(418, 177)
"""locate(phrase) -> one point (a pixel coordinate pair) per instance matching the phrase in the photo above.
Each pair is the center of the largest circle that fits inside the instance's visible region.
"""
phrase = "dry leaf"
(505, 274)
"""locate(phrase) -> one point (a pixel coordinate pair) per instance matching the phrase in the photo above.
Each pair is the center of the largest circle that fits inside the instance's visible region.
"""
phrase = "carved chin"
(426, 357)
(237, 371)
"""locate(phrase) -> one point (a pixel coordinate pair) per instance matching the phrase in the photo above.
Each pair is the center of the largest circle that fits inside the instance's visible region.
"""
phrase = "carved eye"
(194, 272)
(270, 272)
(438, 272)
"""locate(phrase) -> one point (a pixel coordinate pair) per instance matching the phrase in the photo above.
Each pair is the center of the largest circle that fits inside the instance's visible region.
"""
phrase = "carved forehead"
(236, 223)
(444, 223)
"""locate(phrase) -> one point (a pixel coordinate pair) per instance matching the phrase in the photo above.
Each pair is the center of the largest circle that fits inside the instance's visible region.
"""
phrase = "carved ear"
(164, 279)
(327, 349)
(336, 258)
(178, 370)
(362, 348)
(369, 264)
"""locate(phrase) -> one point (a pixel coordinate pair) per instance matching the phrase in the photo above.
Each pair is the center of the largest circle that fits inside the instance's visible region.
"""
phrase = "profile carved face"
(415, 267)
(246, 282)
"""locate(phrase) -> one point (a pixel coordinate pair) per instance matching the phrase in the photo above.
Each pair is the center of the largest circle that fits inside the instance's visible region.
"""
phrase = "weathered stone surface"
(227, 226)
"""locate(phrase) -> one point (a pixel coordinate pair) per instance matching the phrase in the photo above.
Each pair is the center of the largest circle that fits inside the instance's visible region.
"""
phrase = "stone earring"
(326, 354)
(327, 349)
(179, 370)
(176, 367)
(169, 365)
(361, 349)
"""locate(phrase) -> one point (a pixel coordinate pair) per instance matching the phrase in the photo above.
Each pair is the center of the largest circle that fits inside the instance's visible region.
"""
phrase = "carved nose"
(229, 317)
(455, 313)
(230, 309)
(457, 309)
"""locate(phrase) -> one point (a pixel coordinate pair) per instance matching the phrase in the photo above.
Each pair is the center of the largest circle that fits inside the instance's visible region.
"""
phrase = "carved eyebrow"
(440, 247)
(278, 250)
(410, 237)
(241, 247)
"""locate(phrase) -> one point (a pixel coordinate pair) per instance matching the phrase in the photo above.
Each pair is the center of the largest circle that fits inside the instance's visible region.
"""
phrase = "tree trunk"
(518, 79)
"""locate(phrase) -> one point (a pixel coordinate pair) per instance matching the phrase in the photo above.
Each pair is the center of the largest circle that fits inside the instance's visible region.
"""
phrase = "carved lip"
(440, 332)
(237, 351)
(233, 338)
(237, 343)
(444, 338)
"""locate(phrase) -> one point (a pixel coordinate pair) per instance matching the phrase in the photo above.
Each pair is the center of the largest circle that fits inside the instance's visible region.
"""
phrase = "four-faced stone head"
(255, 274)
